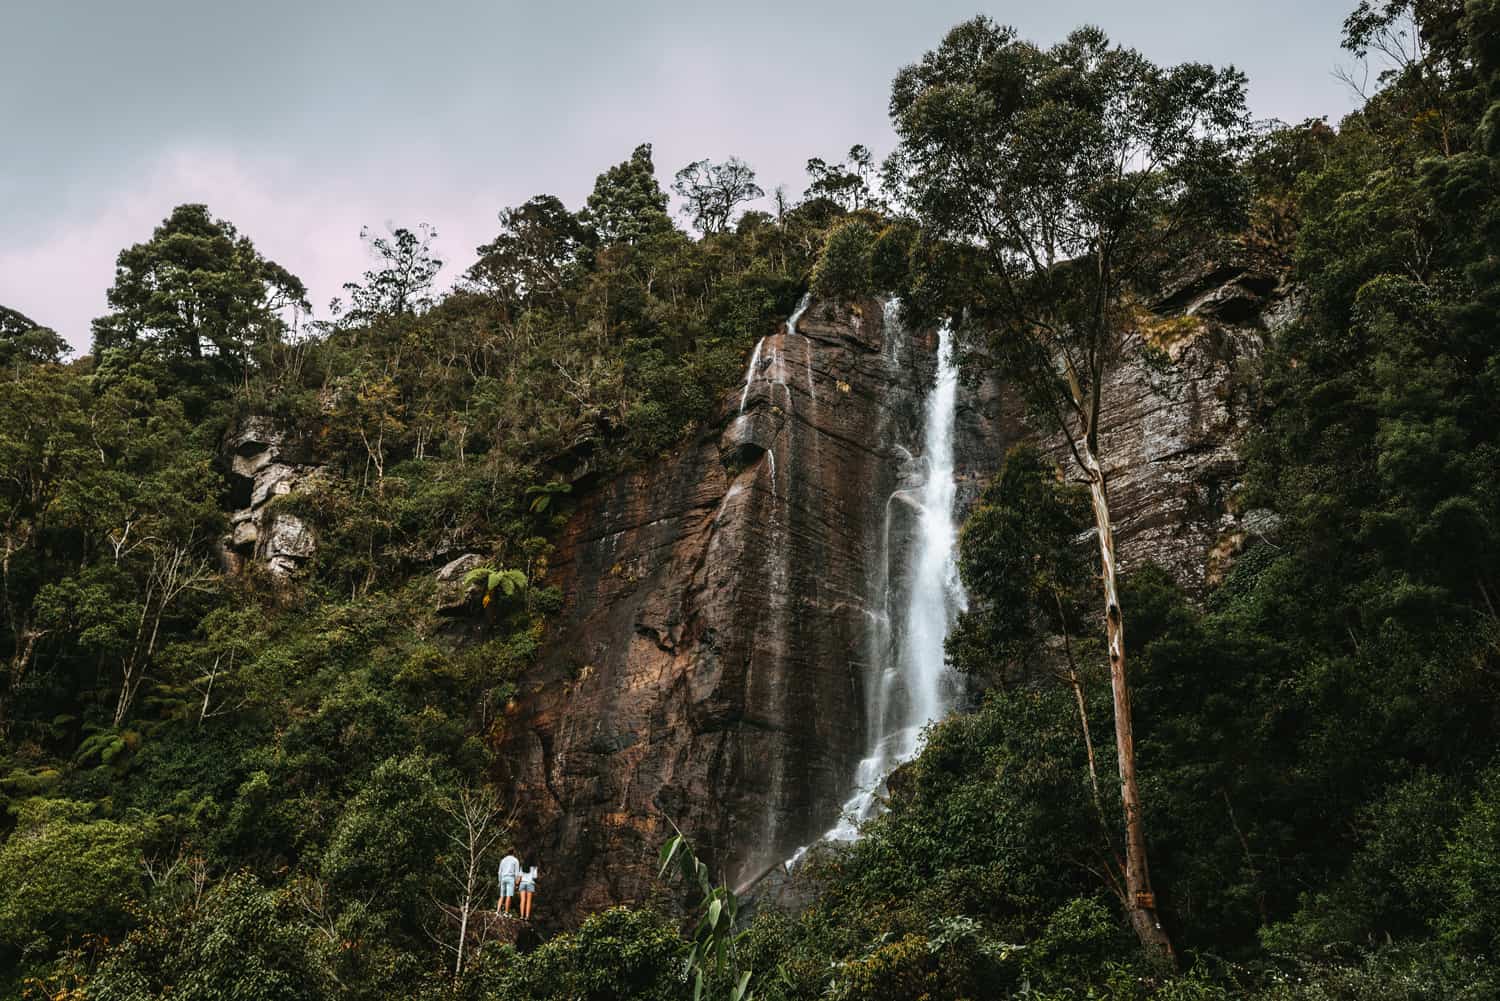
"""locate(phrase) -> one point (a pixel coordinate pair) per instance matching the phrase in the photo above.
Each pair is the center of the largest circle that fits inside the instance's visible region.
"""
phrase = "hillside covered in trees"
(224, 776)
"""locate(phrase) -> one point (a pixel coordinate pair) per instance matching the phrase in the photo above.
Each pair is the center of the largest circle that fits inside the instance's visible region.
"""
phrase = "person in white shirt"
(510, 868)
(528, 889)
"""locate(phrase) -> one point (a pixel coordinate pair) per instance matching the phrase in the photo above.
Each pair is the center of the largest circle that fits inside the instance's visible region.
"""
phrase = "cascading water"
(911, 685)
(750, 371)
(936, 594)
(780, 374)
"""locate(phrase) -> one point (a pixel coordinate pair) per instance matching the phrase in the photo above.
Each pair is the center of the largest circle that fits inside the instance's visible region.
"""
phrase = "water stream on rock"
(754, 366)
(910, 682)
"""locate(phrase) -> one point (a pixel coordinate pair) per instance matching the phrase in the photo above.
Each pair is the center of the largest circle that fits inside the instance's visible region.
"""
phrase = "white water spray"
(750, 373)
(936, 595)
(912, 683)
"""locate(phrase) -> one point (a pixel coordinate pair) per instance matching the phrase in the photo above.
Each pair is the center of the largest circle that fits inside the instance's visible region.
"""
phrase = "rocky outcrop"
(455, 597)
(266, 463)
(711, 663)
(1172, 433)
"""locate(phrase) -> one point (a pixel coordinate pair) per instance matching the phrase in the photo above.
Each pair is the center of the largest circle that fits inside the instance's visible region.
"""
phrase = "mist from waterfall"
(911, 684)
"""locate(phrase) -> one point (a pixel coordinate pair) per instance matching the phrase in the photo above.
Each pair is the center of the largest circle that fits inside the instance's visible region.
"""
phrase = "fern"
(508, 582)
(543, 494)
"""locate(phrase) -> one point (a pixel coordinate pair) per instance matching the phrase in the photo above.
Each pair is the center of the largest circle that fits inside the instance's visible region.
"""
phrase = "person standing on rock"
(528, 890)
(510, 868)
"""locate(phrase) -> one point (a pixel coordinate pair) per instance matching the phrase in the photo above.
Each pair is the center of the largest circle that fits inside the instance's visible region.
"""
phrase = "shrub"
(843, 272)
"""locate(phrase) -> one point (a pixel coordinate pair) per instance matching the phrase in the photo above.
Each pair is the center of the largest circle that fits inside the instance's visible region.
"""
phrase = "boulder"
(265, 463)
(454, 597)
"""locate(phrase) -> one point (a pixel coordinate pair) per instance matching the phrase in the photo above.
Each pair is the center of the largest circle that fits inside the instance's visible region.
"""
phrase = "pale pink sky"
(302, 122)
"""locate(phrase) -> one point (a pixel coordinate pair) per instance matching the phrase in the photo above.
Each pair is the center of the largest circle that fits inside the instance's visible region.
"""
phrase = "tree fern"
(508, 582)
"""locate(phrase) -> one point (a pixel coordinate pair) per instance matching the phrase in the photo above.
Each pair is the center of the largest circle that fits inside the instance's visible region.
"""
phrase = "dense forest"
(222, 782)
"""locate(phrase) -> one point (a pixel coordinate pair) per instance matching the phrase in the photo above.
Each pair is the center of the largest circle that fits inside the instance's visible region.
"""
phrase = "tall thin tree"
(1071, 178)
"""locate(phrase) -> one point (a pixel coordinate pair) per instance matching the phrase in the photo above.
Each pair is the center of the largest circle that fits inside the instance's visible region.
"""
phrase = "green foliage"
(403, 284)
(847, 184)
(890, 257)
(386, 837)
(507, 582)
(1021, 563)
(631, 955)
(197, 288)
(245, 782)
(715, 939)
(1078, 176)
(627, 204)
(66, 875)
(238, 941)
(843, 271)
(23, 342)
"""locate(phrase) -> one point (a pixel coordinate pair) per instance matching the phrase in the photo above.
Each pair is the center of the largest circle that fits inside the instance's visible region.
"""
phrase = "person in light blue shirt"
(510, 868)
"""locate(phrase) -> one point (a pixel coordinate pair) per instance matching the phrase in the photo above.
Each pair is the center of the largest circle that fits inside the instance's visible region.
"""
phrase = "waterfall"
(936, 594)
(750, 373)
(780, 376)
(911, 685)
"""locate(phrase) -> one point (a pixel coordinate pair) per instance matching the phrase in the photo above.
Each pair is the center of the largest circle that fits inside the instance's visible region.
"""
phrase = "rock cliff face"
(265, 463)
(710, 664)
(1172, 434)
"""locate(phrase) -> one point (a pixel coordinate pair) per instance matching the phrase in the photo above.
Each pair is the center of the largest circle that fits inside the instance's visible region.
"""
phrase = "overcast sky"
(302, 120)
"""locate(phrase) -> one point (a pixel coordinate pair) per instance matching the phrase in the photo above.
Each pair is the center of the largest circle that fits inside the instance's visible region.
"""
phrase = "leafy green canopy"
(1077, 175)
(256, 775)
(197, 289)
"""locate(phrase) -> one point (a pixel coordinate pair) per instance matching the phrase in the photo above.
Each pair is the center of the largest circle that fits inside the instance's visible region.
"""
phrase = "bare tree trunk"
(1141, 902)
(1083, 712)
(463, 937)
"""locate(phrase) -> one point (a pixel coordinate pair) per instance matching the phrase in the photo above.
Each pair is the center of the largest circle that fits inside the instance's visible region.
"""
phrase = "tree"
(403, 285)
(1078, 173)
(847, 184)
(1422, 46)
(843, 270)
(618, 954)
(22, 342)
(710, 192)
(238, 940)
(1024, 570)
(540, 250)
(65, 874)
(627, 204)
(197, 288)
(475, 827)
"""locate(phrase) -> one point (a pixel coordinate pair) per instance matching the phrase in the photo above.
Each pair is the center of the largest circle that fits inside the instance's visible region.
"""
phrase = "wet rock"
(709, 663)
(1172, 436)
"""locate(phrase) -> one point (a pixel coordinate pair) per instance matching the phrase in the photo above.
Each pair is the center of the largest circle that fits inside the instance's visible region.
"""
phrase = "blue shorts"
(527, 886)
(507, 886)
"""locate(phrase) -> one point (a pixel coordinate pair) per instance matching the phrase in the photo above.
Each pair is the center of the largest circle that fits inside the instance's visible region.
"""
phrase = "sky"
(302, 121)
